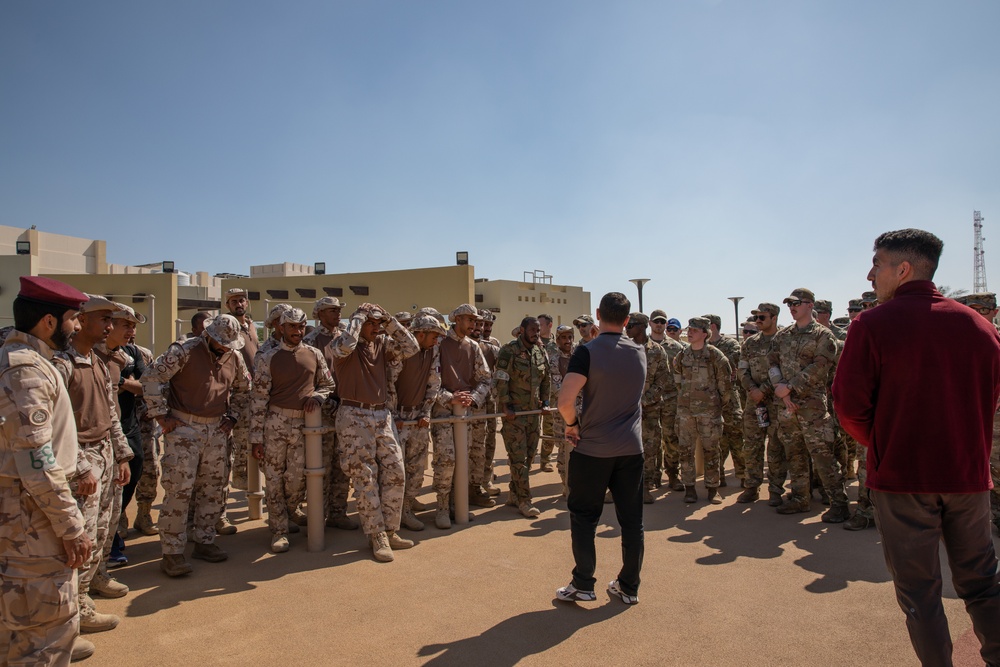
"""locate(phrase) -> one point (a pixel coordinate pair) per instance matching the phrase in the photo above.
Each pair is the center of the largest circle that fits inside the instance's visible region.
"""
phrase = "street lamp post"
(639, 282)
(736, 307)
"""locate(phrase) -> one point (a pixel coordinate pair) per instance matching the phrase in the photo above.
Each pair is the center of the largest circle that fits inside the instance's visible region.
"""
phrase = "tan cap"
(403, 316)
(98, 303)
(236, 291)
(982, 299)
(699, 323)
(275, 314)
(565, 328)
(325, 303)
(427, 323)
(292, 316)
(225, 330)
(465, 309)
(823, 306)
(487, 315)
(638, 318)
(658, 315)
(127, 313)
(869, 297)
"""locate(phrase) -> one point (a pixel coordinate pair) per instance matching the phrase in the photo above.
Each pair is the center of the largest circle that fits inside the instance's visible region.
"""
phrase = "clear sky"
(720, 148)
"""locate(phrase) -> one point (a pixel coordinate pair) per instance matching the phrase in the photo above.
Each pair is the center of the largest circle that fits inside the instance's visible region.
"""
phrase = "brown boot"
(174, 565)
(479, 498)
(397, 542)
(409, 519)
(144, 520)
(690, 494)
(749, 495)
(647, 496)
(713, 496)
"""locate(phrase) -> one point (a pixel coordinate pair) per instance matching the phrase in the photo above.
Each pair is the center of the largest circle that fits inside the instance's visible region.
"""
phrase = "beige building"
(511, 301)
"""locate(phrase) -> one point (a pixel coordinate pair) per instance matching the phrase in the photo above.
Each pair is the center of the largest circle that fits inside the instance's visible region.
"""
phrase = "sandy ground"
(722, 585)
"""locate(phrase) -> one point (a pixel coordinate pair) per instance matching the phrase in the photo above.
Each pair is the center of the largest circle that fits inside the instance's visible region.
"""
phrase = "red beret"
(47, 290)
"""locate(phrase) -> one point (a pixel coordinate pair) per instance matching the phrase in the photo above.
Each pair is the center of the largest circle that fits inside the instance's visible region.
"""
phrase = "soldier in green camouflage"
(658, 376)
(548, 345)
(658, 325)
(985, 303)
(704, 384)
(824, 311)
(558, 367)
(732, 430)
(522, 381)
(802, 357)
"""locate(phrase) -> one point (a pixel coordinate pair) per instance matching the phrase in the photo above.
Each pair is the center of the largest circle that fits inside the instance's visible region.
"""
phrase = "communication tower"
(979, 258)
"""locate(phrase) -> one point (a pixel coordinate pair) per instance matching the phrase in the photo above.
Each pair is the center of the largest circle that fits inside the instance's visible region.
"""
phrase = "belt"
(10, 482)
(194, 419)
(364, 406)
(287, 412)
(106, 440)
(408, 408)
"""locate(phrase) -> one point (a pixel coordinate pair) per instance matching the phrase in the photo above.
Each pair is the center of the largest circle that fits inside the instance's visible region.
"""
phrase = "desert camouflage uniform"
(195, 454)
(336, 485)
(704, 386)
(523, 383)
(732, 429)
(668, 414)
(659, 380)
(39, 616)
(371, 456)
(145, 490)
(413, 440)
(558, 365)
(490, 348)
(443, 434)
(803, 358)
(280, 431)
(103, 457)
(753, 371)
(239, 438)
(267, 346)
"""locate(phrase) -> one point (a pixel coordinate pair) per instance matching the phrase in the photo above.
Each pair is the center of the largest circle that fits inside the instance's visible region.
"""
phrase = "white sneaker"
(614, 588)
(570, 593)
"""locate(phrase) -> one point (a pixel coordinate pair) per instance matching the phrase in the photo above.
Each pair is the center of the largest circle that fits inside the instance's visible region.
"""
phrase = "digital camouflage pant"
(39, 616)
(808, 435)
(692, 430)
(731, 442)
(98, 507)
(372, 459)
(520, 438)
(195, 473)
(336, 485)
(284, 468)
(241, 439)
(754, 439)
(145, 490)
(652, 443)
(415, 442)
(668, 425)
(443, 436)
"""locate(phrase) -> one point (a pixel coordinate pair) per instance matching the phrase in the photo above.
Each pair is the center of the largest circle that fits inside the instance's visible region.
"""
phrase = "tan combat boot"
(144, 520)
(442, 519)
(174, 565)
(93, 621)
(380, 547)
(397, 542)
(107, 586)
(82, 649)
(479, 498)
(409, 519)
(224, 527)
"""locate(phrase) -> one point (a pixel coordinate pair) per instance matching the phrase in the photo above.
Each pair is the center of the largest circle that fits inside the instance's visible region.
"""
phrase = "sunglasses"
(797, 302)
(854, 310)
(672, 329)
(749, 331)
(761, 318)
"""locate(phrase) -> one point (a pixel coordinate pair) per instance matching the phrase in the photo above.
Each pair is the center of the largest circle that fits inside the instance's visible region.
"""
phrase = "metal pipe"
(461, 484)
(313, 433)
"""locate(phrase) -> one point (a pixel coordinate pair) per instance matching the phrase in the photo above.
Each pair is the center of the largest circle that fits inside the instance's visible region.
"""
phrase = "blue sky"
(720, 148)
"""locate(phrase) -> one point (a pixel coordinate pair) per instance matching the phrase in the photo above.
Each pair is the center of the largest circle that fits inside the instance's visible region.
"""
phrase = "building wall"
(443, 288)
(56, 253)
(511, 301)
(12, 267)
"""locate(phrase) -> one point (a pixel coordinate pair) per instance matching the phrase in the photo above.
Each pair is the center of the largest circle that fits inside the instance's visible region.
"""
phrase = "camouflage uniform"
(704, 386)
(490, 348)
(547, 421)
(523, 383)
(145, 490)
(195, 454)
(659, 380)
(240, 436)
(280, 431)
(754, 367)
(668, 413)
(38, 453)
(802, 358)
(414, 440)
(103, 457)
(732, 429)
(558, 362)
(371, 456)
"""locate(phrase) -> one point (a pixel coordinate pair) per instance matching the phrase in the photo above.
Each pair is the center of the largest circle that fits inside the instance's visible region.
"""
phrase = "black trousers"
(589, 478)
(912, 525)
(135, 468)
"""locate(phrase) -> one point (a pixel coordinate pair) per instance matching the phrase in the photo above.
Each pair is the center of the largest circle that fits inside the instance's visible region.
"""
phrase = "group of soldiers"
(387, 387)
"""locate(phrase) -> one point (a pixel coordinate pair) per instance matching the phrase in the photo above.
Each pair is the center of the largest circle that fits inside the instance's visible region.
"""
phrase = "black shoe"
(774, 499)
(836, 514)
(690, 494)
(859, 522)
(749, 495)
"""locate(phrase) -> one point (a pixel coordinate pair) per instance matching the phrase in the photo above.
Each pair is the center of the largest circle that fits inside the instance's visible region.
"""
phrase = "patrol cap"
(225, 330)
(869, 297)
(674, 322)
(982, 299)
(565, 328)
(749, 327)
(638, 318)
(47, 290)
(583, 319)
(293, 316)
(699, 323)
(326, 303)
(433, 312)
(403, 316)
(823, 306)
(127, 313)
(766, 307)
(658, 315)
(962, 299)
(427, 323)
(464, 309)
(98, 303)
(842, 322)
(854, 305)
(800, 294)
(275, 314)
(714, 319)
(236, 291)
(487, 315)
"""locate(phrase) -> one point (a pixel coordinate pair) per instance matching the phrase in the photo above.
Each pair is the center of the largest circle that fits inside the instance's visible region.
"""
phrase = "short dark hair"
(615, 308)
(28, 313)
(546, 317)
(528, 320)
(200, 317)
(921, 249)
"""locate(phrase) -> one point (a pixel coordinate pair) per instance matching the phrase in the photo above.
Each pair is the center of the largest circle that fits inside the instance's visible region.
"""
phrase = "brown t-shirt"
(88, 391)
(411, 385)
(201, 388)
(458, 364)
(293, 377)
(361, 375)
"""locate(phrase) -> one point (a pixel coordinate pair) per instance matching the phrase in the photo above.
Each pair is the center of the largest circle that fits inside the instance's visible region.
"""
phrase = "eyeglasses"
(761, 317)
(797, 302)
(672, 329)
(982, 310)
(749, 331)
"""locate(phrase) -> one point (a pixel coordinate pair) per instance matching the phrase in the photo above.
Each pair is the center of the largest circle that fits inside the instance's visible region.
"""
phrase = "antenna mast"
(979, 255)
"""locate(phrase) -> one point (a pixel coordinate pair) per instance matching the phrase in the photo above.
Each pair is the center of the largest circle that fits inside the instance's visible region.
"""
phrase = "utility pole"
(639, 282)
(736, 306)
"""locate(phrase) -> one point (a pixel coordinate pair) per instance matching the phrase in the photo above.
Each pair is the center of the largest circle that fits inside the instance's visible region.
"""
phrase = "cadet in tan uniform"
(289, 380)
(188, 391)
(39, 619)
(102, 443)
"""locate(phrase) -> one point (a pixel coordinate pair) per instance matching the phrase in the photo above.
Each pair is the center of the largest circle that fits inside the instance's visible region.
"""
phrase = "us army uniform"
(753, 373)
(659, 376)
(802, 359)
(490, 347)
(704, 386)
(523, 383)
(547, 422)
(38, 454)
(371, 456)
(732, 428)
(668, 418)
(285, 378)
(558, 367)
(190, 387)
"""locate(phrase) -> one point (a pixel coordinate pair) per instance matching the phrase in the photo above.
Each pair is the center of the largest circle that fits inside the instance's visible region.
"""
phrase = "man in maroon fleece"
(918, 384)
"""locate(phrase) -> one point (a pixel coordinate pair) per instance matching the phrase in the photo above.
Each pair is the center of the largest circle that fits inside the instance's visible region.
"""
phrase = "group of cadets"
(386, 387)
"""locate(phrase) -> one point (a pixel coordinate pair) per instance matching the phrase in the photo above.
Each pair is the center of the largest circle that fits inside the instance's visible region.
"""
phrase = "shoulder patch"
(38, 417)
(501, 375)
